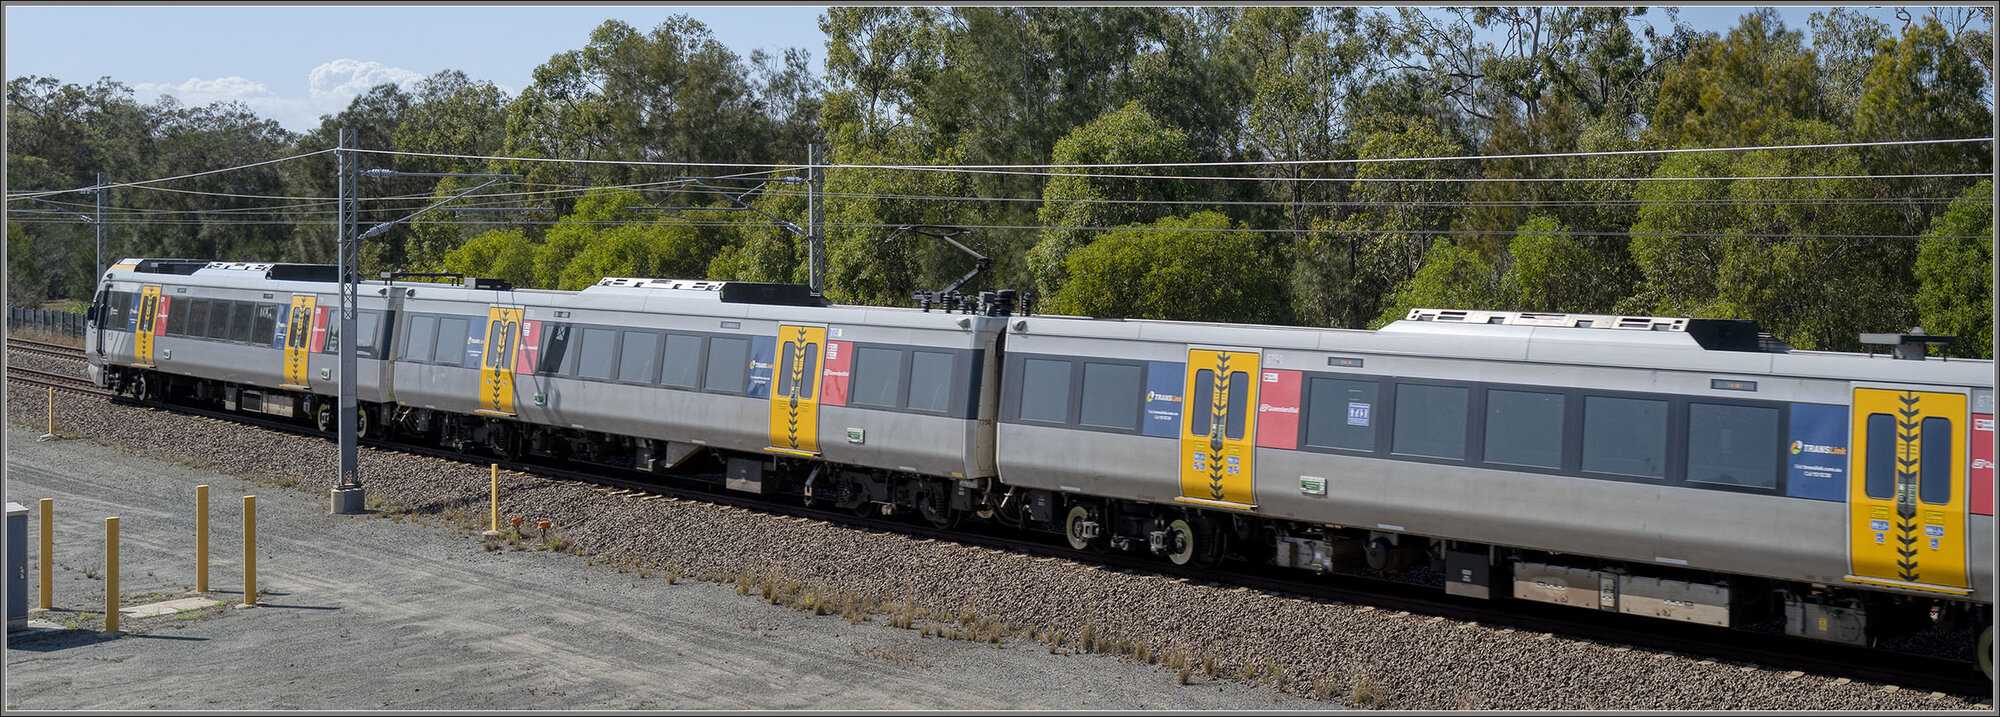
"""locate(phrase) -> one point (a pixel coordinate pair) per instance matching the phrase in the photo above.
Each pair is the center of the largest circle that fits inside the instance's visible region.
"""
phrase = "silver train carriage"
(1687, 469)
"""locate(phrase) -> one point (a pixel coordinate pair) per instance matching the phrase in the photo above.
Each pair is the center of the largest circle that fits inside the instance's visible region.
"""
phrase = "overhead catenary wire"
(1230, 230)
(1237, 163)
(145, 182)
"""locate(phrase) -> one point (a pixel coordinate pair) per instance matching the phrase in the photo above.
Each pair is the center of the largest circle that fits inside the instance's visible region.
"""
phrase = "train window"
(1111, 396)
(422, 336)
(218, 318)
(728, 364)
(1524, 428)
(242, 317)
(683, 361)
(557, 349)
(197, 318)
(1233, 420)
(368, 324)
(877, 373)
(1239, 403)
(1341, 414)
(120, 310)
(595, 354)
(1045, 390)
(930, 381)
(177, 317)
(265, 330)
(451, 333)
(1880, 483)
(638, 356)
(149, 312)
(1430, 421)
(1625, 436)
(1732, 445)
(804, 359)
(1934, 466)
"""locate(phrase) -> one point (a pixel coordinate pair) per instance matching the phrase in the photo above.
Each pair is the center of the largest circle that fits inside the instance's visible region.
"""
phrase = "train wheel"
(941, 517)
(1985, 650)
(1181, 542)
(142, 386)
(324, 416)
(1073, 529)
(361, 422)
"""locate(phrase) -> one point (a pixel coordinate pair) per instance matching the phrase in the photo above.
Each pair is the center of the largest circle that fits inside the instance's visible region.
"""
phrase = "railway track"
(72, 383)
(44, 348)
(1774, 651)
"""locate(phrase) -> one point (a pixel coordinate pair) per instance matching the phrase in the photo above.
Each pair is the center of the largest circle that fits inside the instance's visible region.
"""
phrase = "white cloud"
(327, 90)
(347, 78)
(197, 91)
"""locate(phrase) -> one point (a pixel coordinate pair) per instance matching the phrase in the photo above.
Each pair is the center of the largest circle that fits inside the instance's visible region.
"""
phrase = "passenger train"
(1697, 470)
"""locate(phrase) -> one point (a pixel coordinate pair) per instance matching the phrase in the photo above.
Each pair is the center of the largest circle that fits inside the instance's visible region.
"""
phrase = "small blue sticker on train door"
(1816, 455)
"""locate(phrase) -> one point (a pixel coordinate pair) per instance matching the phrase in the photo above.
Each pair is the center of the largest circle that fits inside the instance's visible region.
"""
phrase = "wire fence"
(67, 323)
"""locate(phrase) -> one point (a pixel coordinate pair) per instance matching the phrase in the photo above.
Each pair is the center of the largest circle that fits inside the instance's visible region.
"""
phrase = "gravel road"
(1243, 649)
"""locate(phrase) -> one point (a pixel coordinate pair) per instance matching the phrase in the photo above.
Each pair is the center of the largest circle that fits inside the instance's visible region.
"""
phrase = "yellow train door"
(1220, 435)
(1907, 501)
(298, 335)
(795, 403)
(496, 366)
(149, 307)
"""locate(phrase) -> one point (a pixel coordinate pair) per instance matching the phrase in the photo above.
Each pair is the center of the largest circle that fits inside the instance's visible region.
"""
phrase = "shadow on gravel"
(171, 637)
(297, 607)
(53, 639)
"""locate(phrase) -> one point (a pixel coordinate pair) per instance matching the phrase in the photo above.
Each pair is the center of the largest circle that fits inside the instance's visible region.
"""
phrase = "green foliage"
(1731, 90)
(1452, 277)
(1955, 274)
(1072, 205)
(603, 238)
(1341, 277)
(1192, 268)
(1329, 243)
(501, 253)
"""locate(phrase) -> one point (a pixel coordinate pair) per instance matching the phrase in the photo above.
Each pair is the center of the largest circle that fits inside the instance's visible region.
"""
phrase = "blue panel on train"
(763, 352)
(1164, 383)
(132, 317)
(1817, 454)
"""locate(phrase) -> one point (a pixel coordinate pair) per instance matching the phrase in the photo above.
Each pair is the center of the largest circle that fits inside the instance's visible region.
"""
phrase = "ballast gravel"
(1331, 655)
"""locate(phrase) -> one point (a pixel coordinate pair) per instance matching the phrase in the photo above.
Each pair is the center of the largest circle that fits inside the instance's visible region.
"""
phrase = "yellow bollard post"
(249, 550)
(110, 574)
(495, 527)
(201, 538)
(48, 552)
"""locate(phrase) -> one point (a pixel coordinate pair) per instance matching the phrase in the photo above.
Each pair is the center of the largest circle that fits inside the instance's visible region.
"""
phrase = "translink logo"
(1804, 447)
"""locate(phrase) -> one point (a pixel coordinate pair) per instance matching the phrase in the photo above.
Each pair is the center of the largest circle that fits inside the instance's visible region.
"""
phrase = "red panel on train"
(1278, 410)
(833, 379)
(1981, 491)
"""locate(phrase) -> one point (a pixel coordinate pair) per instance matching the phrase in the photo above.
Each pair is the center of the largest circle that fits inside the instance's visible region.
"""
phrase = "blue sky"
(296, 63)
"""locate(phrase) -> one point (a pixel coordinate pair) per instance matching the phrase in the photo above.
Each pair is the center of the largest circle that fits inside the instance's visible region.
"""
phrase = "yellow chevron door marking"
(496, 367)
(795, 397)
(1219, 434)
(149, 305)
(1895, 536)
(298, 340)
